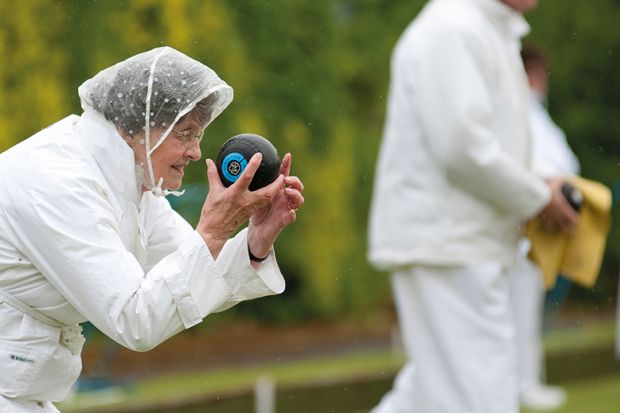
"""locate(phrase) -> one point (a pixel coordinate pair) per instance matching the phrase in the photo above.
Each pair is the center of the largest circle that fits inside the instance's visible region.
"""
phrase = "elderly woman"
(86, 234)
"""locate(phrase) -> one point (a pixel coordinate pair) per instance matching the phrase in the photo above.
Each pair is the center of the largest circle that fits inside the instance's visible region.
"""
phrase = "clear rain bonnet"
(152, 90)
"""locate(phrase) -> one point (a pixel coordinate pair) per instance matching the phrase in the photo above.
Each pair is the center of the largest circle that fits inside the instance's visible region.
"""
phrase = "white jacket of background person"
(552, 156)
(131, 265)
(454, 181)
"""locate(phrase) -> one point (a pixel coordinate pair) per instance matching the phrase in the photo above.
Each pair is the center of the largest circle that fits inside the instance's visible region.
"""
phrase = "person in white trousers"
(552, 158)
(453, 187)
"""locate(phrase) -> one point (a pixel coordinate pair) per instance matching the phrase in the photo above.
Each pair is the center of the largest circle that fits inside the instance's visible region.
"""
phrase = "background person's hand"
(226, 209)
(267, 222)
(559, 214)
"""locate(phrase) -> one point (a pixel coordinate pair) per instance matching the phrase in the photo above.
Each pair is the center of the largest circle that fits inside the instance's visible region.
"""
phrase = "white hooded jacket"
(453, 182)
(80, 241)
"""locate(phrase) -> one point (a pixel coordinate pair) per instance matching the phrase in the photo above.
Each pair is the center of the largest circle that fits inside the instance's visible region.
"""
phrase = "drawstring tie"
(159, 191)
(72, 338)
(70, 335)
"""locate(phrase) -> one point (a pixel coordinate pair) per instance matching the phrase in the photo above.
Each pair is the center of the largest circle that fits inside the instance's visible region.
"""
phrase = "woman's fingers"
(272, 188)
(294, 182)
(213, 176)
(290, 218)
(244, 181)
(285, 166)
(272, 207)
(295, 198)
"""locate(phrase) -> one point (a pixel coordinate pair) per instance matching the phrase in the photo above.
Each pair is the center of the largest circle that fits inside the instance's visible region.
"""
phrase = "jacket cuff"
(243, 279)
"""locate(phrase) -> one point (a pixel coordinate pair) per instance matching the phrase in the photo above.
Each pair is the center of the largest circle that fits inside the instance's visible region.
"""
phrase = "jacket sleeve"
(452, 84)
(71, 234)
(167, 230)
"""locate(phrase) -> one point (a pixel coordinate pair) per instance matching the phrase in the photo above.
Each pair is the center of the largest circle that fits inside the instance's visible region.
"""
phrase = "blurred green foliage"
(312, 77)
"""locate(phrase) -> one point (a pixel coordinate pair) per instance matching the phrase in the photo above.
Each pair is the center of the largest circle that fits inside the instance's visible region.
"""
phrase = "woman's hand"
(267, 222)
(226, 209)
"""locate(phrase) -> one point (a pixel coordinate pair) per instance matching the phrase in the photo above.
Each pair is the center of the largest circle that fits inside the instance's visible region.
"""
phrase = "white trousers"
(25, 406)
(458, 334)
(527, 299)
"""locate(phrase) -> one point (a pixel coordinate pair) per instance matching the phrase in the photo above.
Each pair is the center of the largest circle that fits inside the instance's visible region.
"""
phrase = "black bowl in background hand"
(573, 196)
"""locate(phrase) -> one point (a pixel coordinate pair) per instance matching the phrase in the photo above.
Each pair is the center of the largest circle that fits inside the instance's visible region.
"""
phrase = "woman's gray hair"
(174, 83)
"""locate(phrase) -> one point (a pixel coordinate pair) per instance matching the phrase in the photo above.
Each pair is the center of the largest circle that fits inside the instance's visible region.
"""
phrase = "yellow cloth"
(578, 255)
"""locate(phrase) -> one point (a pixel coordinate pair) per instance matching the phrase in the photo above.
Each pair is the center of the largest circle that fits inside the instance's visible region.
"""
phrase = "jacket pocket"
(18, 368)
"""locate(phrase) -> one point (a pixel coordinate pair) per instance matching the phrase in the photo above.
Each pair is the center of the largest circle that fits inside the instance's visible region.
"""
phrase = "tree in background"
(33, 79)
(312, 77)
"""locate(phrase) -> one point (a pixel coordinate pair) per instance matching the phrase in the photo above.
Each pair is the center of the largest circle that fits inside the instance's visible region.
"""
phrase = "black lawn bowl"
(235, 154)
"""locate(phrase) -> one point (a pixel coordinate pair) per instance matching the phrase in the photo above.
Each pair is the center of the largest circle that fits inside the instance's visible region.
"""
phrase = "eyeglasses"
(186, 137)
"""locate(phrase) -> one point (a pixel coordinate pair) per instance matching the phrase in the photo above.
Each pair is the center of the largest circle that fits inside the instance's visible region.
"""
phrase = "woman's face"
(174, 154)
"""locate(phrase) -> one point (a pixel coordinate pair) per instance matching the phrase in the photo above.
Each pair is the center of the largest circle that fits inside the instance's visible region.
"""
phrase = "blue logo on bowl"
(233, 165)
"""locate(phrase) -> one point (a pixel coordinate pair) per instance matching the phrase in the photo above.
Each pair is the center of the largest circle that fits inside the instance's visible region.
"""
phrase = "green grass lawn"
(232, 380)
(600, 395)
(342, 380)
(290, 373)
(581, 336)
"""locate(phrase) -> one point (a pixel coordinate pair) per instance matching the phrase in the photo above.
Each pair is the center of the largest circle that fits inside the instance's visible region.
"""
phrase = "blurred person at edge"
(86, 233)
(551, 157)
(454, 186)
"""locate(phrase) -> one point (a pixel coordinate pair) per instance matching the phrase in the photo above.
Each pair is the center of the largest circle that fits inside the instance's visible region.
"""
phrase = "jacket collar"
(113, 156)
(504, 17)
